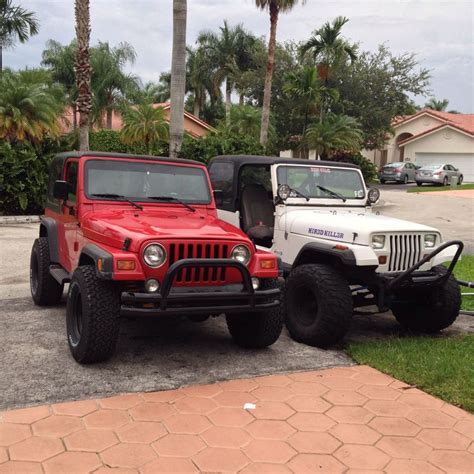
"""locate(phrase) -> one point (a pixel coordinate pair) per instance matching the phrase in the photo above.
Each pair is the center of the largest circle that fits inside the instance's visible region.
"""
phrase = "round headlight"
(430, 240)
(378, 241)
(152, 285)
(284, 192)
(373, 195)
(241, 253)
(154, 255)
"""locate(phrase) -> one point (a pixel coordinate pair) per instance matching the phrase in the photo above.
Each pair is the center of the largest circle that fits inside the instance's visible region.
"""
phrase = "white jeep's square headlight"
(378, 241)
(430, 240)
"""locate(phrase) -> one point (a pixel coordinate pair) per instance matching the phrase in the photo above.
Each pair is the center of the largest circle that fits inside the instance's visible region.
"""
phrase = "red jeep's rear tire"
(318, 305)
(257, 329)
(92, 316)
(45, 290)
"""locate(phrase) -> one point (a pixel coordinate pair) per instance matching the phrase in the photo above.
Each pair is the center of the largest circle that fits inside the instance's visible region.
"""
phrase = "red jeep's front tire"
(257, 329)
(92, 316)
(45, 290)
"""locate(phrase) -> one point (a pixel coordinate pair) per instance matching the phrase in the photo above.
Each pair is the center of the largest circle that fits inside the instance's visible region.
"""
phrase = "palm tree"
(227, 50)
(335, 133)
(178, 77)
(199, 81)
(144, 124)
(328, 48)
(29, 110)
(245, 120)
(274, 7)
(15, 23)
(83, 70)
(438, 105)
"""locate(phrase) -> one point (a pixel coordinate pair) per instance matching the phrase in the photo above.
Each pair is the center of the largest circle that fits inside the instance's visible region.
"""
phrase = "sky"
(440, 33)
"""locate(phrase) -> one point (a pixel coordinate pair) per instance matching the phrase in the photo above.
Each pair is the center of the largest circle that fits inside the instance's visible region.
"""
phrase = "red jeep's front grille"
(199, 250)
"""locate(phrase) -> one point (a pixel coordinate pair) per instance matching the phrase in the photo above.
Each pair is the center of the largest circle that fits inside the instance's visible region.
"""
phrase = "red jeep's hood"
(113, 226)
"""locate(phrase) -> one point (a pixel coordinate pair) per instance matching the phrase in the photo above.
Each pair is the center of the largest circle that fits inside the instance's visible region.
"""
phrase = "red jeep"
(137, 235)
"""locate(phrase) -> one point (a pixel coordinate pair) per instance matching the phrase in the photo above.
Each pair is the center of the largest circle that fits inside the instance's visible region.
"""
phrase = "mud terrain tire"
(258, 329)
(45, 290)
(429, 310)
(318, 305)
(92, 316)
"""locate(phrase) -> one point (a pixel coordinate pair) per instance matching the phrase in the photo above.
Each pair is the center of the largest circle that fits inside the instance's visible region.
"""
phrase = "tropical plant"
(198, 80)
(438, 105)
(145, 124)
(152, 92)
(368, 169)
(178, 77)
(83, 70)
(335, 133)
(328, 48)
(245, 120)
(29, 110)
(16, 23)
(274, 7)
(228, 51)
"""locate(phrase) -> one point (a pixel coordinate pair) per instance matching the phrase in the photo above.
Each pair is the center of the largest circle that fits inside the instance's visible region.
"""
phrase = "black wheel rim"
(34, 274)
(77, 317)
(305, 305)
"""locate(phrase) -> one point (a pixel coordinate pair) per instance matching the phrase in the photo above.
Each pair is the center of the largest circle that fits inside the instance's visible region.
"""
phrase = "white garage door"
(463, 161)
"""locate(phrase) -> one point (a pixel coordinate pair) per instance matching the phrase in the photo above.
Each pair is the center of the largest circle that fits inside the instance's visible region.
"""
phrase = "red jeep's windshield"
(138, 181)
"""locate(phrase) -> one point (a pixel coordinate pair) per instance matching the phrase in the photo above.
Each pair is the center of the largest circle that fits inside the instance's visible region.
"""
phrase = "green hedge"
(109, 140)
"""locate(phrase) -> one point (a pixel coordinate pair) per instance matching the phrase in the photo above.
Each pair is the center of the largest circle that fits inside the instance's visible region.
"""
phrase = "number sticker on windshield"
(320, 170)
(359, 194)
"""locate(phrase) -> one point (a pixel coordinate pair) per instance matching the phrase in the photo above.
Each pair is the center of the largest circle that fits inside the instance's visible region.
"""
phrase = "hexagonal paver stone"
(273, 381)
(341, 383)
(361, 456)
(272, 394)
(314, 443)
(23, 467)
(169, 465)
(411, 466)
(120, 402)
(258, 467)
(272, 411)
(81, 408)
(376, 378)
(387, 407)
(404, 447)
(452, 461)
(394, 426)
(311, 422)
(234, 399)
(36, 449)
(196, 405)
(466, 427)
(131, 455)
(343, 414)
(378, 392)
(72, 462)
(57, 425)
(11, 433)
(3, 455)
(270, 429)
(106, 419)
(239, 385)
(26, 415)
(225, 437)
(220, 459)
(93, 441)
(179, 445)
(148, 411)
(202, 390)
(308, 388)
(355, 434)
(417, 398)
(260, 450)
(444, 439)
(227, 416)
(428, 418)
(345, 397)
(167, 396)
(141, 432)
(316, 463)
(187, 424)
(303, 403)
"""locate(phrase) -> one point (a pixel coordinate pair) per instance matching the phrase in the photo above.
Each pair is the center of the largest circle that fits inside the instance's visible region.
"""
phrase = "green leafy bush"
(369, 170)
(109, 141)
(220, 143)
(23, 179)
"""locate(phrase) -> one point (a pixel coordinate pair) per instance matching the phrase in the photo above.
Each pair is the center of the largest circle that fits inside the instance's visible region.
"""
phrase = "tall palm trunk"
(83, 70)
(109, 118)
(178, 77)
(228, 101)
(267, 94)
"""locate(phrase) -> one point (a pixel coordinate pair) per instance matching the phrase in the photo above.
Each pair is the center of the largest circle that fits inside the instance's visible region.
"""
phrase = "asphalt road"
(36, 366)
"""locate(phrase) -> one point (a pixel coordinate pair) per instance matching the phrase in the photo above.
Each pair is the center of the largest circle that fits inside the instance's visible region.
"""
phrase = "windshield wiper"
(298, 193)
(331, 192)
(172, 199)
(118, 196)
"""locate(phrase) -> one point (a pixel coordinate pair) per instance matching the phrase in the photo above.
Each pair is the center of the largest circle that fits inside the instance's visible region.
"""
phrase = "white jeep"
(336, 252)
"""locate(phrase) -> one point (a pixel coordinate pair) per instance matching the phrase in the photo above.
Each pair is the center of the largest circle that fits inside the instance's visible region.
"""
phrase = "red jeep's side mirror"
(61, 190)
(219, 197)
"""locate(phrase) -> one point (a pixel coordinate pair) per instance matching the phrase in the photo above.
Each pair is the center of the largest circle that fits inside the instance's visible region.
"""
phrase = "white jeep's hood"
(353, 226)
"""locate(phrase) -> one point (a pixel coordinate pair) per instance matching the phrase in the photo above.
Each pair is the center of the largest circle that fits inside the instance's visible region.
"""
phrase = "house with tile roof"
(430, 137)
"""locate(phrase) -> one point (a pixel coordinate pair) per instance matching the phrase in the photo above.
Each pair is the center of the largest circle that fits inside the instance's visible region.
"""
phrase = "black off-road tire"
(430, 310)
(92, 316)
(258, 329)
(45, 290)
(318, 305)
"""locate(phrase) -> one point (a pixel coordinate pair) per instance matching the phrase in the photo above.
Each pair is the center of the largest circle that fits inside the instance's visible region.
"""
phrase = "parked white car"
(438, 174)
(336, 252)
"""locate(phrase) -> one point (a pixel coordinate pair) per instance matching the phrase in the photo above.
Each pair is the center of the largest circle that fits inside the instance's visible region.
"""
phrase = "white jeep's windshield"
(308, 180)
(140, 181)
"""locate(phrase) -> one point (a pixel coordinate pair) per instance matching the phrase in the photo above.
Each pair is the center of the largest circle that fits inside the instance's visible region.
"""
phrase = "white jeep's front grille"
(405, 251)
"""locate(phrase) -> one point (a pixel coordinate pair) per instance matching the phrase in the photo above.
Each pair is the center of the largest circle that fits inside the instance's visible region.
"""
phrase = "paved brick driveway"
(337, 420)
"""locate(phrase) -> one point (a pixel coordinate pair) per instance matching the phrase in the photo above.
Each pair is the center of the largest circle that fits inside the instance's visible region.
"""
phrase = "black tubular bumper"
(195, 302)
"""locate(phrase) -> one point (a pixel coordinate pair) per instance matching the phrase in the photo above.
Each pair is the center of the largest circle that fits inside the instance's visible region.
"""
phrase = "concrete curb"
(19, 219)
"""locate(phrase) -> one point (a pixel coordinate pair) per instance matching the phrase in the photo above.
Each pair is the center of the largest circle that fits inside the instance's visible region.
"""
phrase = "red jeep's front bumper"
(200, 302)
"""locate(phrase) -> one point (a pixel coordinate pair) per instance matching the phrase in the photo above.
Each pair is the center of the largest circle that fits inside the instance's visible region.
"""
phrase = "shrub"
(109, 141)
(220, 143)
(23, 179)
(369, 170)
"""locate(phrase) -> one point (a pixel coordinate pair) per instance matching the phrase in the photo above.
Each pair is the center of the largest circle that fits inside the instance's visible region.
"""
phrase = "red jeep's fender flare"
(49, 229)
(96, 253)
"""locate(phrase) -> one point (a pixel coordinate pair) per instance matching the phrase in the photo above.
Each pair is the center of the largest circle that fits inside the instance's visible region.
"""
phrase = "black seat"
(257, 214)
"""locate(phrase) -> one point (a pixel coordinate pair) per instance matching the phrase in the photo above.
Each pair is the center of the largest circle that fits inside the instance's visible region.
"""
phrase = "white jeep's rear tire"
(318, 305)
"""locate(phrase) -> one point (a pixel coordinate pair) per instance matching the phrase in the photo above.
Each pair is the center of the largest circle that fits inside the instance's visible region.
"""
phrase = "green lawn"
(426, 188)
(438, 365)
(464, 270)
